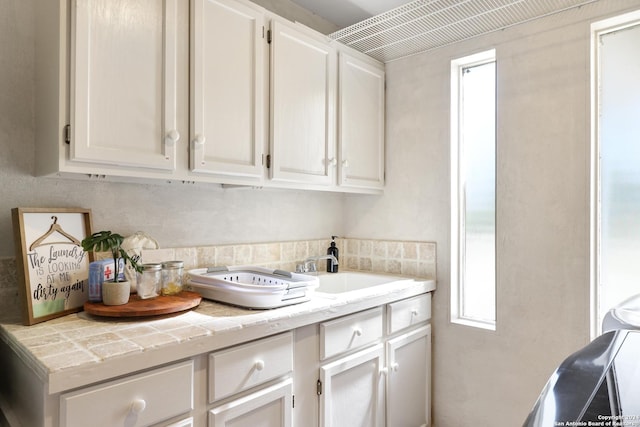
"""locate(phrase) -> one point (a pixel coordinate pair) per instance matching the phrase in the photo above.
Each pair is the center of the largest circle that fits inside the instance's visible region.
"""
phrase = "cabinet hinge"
(67, 134)
(268, 161)
(269, 36)
(319, 387)
(293, 401)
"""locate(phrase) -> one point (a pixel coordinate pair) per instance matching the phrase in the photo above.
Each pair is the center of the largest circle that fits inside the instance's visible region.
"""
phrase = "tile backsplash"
(411, 258)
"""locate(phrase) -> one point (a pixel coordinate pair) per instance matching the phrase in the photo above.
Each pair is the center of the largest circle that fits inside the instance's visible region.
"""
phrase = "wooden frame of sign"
(53, 269)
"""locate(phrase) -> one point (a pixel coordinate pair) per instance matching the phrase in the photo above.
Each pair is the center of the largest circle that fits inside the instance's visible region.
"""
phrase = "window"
(616, 156)
(473, 190)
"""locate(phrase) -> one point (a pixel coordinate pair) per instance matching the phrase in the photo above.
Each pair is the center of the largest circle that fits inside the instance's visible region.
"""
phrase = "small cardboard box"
(101, 271)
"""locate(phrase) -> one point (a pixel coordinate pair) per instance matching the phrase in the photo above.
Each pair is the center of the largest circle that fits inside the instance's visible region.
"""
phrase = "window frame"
(457, 202)
(599, 29)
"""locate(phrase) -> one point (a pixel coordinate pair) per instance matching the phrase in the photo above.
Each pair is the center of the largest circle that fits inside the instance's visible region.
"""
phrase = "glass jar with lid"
(172, 275)
(149, 281)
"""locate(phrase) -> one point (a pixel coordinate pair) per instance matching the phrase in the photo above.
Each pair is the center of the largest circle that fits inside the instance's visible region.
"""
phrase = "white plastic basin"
(348, 281)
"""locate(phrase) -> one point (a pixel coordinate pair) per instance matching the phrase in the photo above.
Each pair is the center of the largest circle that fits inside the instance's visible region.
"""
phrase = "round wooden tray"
(137, 307)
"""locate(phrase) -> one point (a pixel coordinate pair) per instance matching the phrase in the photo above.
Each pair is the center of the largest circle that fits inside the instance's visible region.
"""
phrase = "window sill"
(490, 326)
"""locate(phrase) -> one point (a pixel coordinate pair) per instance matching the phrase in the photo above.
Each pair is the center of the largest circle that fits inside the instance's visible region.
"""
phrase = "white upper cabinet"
(196, 91)
(228, 82)
(303, 97)
(123, 83)
(361, 122)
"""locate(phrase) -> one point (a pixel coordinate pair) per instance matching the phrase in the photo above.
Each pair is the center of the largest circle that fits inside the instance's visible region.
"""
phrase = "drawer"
(142, 399)
(350, 332)
(248, 365)
(408, 312)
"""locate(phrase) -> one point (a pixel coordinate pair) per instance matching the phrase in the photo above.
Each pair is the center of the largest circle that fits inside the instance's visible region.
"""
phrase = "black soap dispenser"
(332, 267)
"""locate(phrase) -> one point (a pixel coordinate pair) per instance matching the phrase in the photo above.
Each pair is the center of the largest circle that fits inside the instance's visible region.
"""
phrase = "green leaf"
(106, 241)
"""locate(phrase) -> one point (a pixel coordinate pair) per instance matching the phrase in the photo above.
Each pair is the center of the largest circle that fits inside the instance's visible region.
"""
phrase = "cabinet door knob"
(414, 312)
(199, 141)
(259, 365)
(395, 366)
(333, 161)
(345, 163)
(357, 331)
(172, 137)
(384, 371)
(138, 406)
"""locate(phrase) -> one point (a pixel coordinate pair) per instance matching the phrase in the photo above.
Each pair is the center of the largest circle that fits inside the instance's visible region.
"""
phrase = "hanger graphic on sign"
(55, 228)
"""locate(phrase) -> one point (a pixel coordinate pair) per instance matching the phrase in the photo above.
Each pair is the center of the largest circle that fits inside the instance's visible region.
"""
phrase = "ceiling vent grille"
(423, 25)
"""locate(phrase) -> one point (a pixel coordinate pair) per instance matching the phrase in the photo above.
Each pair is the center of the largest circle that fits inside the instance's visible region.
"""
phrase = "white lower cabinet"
(241, 384)
(383, 380)
(371, 368)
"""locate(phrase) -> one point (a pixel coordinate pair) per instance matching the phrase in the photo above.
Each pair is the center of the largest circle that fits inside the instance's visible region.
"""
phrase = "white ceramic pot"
(115, 293)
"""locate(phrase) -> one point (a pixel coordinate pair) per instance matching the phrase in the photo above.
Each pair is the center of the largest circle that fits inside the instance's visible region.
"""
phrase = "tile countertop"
(81, 349)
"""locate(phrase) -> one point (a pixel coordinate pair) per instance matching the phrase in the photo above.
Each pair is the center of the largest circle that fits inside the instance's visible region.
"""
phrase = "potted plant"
(114, 292)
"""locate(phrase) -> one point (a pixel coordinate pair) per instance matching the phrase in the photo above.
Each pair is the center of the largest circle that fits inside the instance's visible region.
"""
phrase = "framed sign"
(51, 264)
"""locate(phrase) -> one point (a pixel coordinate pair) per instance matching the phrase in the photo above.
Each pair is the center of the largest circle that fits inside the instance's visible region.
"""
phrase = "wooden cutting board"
(137, 307)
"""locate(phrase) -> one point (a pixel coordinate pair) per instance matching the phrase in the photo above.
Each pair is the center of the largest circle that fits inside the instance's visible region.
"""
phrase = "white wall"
(176, 215)
(484, 378)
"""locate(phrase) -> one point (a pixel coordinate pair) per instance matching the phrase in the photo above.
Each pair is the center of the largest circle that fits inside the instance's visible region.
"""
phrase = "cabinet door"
(123, 83)
(361, 123)
(408, 387)
(269, 407)
(303, 87)
(353, 390)
(227, 88)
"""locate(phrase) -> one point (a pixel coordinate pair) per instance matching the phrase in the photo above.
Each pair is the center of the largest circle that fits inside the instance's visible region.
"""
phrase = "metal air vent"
(423, 25)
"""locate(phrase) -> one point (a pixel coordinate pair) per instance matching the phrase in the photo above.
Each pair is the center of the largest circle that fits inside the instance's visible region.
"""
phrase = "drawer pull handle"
(357, 331)
(259, 365)
(138, 406)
